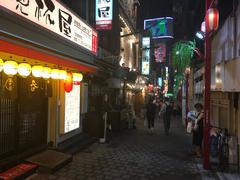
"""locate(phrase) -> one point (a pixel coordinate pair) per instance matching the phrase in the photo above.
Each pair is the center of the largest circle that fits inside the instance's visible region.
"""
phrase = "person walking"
(198, 130)
(151, 110)
(166, 112)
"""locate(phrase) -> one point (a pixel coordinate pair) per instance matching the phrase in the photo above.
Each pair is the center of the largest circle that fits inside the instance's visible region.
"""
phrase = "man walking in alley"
(151, 110)
(165, 112)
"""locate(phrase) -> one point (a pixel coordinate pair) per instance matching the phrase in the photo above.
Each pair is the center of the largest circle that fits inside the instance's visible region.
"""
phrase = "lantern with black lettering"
(68, 83)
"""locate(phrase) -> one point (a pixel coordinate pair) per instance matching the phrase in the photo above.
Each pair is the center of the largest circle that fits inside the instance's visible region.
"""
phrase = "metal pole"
(207, 79)
(187, 86)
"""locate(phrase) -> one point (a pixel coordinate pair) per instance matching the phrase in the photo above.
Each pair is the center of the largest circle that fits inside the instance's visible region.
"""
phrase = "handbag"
(189, 127)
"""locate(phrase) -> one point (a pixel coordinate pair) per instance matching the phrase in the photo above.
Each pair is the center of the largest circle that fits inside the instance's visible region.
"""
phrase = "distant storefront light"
(10, 68)
(24, 69)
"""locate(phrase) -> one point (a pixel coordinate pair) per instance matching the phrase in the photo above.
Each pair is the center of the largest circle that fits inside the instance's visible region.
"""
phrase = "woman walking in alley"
(151, 110)
(198, 130)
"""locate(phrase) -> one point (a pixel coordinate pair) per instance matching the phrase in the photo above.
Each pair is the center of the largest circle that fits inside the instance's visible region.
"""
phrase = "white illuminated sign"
(72, 109)
(56, 18)
(145, 55)
(104, 14)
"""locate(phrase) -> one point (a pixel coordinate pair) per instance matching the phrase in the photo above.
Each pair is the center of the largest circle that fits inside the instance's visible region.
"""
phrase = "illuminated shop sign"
(145, 55)
(104, 14)
(160, 53)
(56, 18)
(72, 109)
(160, 82)
(160, 27)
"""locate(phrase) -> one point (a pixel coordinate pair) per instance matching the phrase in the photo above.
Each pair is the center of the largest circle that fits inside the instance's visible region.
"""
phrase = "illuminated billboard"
(160, 27)
(145, 55)
(160, 53)
(104, 14)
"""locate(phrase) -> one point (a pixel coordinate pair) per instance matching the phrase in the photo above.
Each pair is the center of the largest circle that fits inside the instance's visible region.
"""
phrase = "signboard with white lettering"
(104, 14)
(145, 55)
(56, 18)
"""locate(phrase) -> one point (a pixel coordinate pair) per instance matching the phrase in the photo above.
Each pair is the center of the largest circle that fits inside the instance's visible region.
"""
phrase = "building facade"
(41, 105)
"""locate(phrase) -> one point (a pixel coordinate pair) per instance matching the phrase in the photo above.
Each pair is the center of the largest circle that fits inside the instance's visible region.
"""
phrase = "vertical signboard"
(160, 53)
(56, 18)
(145, 55)
(72, 109)
(160, 83)
(104, 14)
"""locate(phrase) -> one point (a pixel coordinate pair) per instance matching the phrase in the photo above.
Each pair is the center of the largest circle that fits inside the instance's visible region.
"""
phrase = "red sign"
(94, 42)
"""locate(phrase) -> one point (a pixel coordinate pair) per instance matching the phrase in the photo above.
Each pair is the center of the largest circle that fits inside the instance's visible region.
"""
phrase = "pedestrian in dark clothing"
(166, 113)
(151, 110)
(198, 129)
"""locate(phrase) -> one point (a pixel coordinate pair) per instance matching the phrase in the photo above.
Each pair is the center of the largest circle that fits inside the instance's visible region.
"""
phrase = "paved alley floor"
(136, 155)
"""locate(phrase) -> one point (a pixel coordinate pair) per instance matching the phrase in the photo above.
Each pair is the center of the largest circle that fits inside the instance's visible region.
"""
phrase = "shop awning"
(45, 56)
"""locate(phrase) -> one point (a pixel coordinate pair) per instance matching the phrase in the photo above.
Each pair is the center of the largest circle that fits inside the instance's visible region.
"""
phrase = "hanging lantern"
(68, 83)
(203, 27)
(10, 68)
(46, 73)
(77, 78)
(62, 74)
(55, 73)
(24, 69)
(37, 71)
(1, 64)
(212, 19)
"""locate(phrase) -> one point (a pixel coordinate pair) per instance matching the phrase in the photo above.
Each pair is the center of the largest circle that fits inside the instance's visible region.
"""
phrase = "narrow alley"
(136, 154)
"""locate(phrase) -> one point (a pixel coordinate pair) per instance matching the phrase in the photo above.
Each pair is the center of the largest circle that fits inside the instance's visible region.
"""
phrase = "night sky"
(153, 9)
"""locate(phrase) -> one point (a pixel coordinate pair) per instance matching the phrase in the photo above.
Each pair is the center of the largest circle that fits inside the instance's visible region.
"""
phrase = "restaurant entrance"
(23, 115)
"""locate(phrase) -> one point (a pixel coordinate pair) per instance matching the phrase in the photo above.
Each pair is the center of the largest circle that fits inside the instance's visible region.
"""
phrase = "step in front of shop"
(50, 161)
(76, 143)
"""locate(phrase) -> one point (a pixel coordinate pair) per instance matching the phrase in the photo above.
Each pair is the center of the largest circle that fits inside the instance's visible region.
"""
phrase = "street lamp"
(200, 35)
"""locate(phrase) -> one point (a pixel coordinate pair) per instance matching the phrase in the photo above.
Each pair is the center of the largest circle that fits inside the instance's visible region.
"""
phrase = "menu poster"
(72, 109)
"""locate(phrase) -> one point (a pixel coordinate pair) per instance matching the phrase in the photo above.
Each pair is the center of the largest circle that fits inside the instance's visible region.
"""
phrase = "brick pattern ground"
(135, 155)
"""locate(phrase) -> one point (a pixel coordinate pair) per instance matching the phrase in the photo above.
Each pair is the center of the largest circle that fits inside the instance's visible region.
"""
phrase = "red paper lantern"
(212, 19)
(68, 83)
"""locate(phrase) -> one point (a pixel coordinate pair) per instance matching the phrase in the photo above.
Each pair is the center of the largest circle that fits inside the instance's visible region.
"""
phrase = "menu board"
(72, 109)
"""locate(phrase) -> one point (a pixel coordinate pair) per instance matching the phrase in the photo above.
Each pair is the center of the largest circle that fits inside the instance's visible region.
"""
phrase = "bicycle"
(219, 147)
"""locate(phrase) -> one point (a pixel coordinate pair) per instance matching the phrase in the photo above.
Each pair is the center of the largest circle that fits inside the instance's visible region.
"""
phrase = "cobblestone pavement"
(135, 154)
